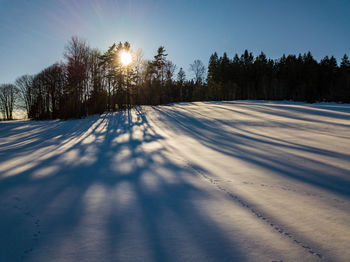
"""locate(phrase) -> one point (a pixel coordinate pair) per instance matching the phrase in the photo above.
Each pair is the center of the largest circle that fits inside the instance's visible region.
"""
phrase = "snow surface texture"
(216, 181)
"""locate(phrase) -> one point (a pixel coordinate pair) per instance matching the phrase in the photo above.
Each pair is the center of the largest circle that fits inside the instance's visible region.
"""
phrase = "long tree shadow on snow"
(111, 181)
(259, 150)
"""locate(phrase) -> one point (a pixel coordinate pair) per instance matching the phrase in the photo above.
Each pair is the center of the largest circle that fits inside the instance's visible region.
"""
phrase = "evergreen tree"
(181, 78)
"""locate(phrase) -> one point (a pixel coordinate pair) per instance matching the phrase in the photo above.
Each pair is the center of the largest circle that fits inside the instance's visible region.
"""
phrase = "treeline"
(89, 81)
(298, 78)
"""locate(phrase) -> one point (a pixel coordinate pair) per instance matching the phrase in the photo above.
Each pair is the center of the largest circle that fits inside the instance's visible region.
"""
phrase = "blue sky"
(33, 33)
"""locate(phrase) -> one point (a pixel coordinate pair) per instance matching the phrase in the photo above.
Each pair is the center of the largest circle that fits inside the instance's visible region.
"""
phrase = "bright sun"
(125, 57)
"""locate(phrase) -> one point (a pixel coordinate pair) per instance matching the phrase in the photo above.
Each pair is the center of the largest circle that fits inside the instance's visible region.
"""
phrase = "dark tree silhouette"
(25, 86)
(8, 93)
(90, 81)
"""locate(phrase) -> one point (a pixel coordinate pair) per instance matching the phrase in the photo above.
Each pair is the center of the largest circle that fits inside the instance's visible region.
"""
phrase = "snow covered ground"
(216, 181)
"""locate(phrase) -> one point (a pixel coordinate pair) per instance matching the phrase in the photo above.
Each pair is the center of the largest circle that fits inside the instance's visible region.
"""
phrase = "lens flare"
(125, 58)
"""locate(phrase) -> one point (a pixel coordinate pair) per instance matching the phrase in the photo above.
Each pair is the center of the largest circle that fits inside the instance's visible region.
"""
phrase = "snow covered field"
(216, 181)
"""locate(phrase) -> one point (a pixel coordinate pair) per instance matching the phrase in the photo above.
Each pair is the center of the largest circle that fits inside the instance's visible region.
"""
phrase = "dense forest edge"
(89, 81)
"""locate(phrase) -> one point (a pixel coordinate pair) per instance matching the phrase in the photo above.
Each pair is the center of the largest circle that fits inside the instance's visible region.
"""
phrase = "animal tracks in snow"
(33, 222)
(293, 190)
(259, 215)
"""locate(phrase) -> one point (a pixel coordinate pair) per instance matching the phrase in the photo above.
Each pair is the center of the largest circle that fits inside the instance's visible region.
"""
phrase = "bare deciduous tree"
(8, 94)
(77, 56)
(198, 69)
(25, 88)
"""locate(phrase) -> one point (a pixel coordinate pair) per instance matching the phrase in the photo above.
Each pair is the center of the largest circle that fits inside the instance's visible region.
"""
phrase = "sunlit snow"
(209, 181)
